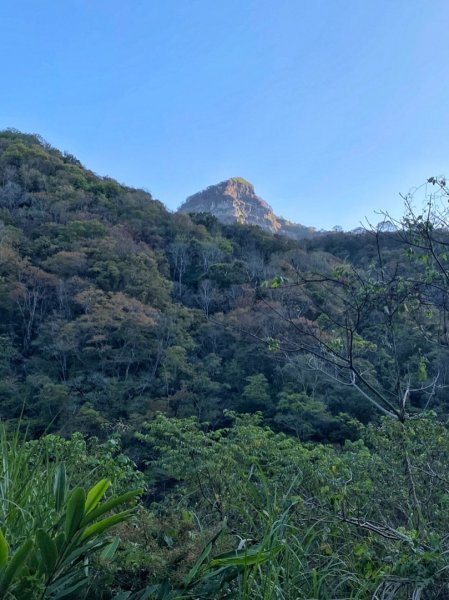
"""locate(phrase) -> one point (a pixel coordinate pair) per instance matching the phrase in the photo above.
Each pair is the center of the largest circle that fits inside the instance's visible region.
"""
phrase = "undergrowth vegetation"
(246, 513)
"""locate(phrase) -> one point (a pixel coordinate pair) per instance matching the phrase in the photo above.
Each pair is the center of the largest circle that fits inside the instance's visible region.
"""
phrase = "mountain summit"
(235, 201)
(231, 201)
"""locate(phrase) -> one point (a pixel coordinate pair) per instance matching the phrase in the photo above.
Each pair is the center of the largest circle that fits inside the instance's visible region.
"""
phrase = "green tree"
(256, 394)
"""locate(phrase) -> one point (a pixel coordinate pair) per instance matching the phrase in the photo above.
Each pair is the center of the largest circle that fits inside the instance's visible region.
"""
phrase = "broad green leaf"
(106, 524)
(48, 550)
(15, 565)
(82, 551)
(245, 557)
(68, 591)
(196, 567)
(110, 550)
(60, 486)
(95, 494)
(243, 561)
(65, 581)
(60, 541)
(201, 559)
(75, 512)
(109, 505)
(4, 551)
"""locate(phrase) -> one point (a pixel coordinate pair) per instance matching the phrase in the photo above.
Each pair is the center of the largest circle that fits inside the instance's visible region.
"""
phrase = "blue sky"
(329, 107)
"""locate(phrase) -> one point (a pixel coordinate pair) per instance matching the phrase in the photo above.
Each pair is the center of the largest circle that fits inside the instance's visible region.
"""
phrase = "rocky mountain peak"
(233, 200)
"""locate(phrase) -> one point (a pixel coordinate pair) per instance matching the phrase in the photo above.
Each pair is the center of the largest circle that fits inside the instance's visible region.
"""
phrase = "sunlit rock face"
(231, 201)
(235, 201)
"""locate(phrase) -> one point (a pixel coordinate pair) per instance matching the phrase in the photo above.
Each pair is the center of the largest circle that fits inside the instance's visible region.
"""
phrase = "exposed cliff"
(235, 200)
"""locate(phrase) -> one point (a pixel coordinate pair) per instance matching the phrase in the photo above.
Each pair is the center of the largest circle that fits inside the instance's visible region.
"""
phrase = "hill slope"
(113, 309)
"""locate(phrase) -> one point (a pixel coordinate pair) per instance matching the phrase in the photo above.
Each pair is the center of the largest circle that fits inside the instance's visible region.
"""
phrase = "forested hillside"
(282, 404)
(113, 309)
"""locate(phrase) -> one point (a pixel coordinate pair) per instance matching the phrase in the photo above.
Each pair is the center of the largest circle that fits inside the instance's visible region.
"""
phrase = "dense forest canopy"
(282, 403)
(113, 309)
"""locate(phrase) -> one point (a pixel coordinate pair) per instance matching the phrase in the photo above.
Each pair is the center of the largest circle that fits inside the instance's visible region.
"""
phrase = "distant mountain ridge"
(235, 201)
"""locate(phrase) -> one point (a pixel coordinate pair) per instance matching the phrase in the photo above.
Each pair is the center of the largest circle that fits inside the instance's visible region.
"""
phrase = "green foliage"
(111, 307)
(51, 532)
(256, 394)
(313, 521)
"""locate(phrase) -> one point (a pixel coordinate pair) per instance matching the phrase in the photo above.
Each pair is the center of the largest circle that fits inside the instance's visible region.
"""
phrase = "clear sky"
(329, 107)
